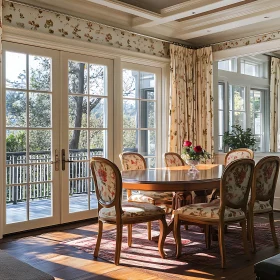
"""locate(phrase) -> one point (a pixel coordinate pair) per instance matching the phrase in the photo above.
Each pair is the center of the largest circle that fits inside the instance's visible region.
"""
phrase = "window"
(251, 68)
(243, 98)
(139, 114)
(228, 65)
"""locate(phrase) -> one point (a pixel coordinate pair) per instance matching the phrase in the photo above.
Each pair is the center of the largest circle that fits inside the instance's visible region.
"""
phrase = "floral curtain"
(191, 101)
(274, 112)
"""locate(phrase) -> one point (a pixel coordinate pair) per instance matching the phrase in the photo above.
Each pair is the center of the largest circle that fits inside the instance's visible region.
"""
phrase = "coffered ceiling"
(195, 22)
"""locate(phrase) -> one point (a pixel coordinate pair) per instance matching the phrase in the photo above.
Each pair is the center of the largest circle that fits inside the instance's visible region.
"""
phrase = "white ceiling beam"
(123, 7)
(227, 24)
(183, 10)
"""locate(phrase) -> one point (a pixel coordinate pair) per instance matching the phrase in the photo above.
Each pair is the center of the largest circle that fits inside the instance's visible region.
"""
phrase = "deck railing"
(38, 174)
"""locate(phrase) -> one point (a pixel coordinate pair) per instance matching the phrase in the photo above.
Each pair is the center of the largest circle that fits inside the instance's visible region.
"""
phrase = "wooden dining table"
(173, 179)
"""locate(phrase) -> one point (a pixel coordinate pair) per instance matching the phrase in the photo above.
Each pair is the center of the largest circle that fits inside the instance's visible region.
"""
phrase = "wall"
(56, 24)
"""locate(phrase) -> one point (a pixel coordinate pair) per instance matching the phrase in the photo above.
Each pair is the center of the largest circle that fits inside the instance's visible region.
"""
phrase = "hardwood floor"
(43, 250)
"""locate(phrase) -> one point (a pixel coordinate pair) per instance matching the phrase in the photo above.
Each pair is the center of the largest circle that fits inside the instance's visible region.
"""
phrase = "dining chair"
(238, 154)
(232, 156)
(230, 208)
(135, 161)
(262, 195)
(172, 159)
(108, 187)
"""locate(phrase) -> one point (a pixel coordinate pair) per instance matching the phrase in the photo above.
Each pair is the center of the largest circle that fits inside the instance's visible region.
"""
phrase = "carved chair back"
(265, 179)
(173, 159)
(238, 154)
(108, 184)
(132, 161)
(235, 185)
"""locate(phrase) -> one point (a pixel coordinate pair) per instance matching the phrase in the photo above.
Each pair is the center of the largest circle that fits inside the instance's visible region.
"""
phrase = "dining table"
(173, 179)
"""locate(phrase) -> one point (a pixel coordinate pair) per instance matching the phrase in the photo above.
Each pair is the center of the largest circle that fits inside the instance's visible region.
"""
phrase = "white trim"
(247, 50)
(39, 39)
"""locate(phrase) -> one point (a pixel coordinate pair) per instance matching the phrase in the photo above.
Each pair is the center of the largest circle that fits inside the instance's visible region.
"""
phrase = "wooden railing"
(39, 176)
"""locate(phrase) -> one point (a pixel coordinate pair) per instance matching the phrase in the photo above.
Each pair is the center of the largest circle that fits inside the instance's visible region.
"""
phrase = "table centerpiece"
(192, 155)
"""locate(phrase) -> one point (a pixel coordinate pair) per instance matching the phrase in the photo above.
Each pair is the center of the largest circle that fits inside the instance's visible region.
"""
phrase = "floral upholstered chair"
(108, 186)
(135, 161)
(238, 154)
(173, 159)
(230, 208)
(262, 194)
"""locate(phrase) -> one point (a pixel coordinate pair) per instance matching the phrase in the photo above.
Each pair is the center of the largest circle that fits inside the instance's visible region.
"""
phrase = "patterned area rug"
(144, 253)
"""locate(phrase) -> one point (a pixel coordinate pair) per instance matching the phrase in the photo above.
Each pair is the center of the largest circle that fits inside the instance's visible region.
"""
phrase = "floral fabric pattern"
(274, 112)
(57, 24)
(246, 41)
(172, 160)
(262, 206)
(132, 162)
(237, 183)
(131, 210)
(191, 101)
(209, 211)
(264, 179)
(150, 197)
(237, 155)
(106, 181)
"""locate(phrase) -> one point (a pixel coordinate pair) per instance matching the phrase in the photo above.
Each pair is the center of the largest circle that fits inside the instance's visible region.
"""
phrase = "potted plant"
(239, 138)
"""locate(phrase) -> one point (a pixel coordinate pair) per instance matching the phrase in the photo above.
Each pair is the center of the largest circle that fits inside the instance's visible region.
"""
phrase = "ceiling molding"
(184, 10)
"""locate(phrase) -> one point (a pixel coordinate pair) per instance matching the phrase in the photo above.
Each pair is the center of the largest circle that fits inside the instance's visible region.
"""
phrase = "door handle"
(56, 161)
(63, 159)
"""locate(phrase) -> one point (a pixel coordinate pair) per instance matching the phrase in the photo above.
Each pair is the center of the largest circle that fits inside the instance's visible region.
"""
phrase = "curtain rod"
(102, 24)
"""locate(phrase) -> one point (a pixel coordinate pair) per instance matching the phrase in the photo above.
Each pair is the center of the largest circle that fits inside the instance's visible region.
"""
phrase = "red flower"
(197, 149)
(187, 144)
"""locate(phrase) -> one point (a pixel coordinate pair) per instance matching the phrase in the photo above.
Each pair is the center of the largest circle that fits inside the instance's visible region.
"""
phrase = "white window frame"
(160, 101)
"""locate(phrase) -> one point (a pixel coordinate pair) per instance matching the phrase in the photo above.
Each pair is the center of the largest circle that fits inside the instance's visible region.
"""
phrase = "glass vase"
(192, 163)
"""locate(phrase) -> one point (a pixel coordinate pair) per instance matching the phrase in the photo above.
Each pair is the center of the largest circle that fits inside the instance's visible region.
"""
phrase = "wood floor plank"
(44, 249)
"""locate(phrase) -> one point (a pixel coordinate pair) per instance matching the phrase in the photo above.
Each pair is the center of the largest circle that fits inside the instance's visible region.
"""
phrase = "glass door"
(30, 101)
(87, 129)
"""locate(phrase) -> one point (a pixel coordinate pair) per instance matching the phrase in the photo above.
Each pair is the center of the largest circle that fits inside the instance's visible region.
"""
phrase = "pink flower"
(187, 144)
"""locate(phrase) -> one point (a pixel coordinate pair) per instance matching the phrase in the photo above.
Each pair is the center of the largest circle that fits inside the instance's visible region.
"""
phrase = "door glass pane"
(98, 112)
(130, 113)
(16, 204)
(28, 179)
(15, 70)
(97, 142)
(97, 79)
(39, 73)
(130, 140)
(78, 195)
(77, 77)
(15, 108)
(77, 111)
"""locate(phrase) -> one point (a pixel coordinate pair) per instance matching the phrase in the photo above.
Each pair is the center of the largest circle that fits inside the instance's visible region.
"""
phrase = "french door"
(58, 110)
(87, 111)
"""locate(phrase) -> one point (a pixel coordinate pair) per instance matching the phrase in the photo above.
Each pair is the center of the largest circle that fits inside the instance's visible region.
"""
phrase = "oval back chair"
(238, 154)
(231, 208)
(173, 159)
(108, 186)
(262, 195)
(135, 161)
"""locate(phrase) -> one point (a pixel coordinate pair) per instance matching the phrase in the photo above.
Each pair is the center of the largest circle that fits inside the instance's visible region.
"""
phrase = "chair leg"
(252, 231)
(99, 237)
(208, 236)
(177, 235)
(272, 227)
(162, 236)
(149, 228)
(118, 244)
(129, 235)
(244, 237)
(222, 244)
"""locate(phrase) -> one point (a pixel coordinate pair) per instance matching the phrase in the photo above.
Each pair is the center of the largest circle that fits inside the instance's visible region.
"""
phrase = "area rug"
(144, 253)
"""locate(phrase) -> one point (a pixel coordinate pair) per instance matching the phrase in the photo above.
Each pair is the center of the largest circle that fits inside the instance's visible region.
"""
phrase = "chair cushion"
(262, 206)
(206, 211)
(151, 197)
(132, 210)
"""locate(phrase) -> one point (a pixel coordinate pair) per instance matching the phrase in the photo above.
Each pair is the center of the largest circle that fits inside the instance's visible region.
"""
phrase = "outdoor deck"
(41, 208)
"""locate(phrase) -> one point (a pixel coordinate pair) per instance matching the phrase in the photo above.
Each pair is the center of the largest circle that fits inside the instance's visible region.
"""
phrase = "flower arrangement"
(194, 153)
